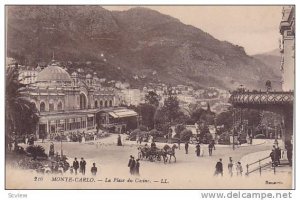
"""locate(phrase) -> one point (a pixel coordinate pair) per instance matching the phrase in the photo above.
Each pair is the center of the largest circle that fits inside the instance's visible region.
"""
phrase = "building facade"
(287, 47)
(67, 103)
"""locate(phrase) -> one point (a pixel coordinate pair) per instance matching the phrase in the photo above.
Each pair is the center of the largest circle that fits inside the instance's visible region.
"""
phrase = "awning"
(90, 115)
(122, 113)
(113, 115)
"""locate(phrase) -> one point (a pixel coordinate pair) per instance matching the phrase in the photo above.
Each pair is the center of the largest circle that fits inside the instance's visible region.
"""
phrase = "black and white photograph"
(149, 97)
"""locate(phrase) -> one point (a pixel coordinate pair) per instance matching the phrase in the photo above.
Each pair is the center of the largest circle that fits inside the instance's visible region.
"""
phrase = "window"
(83, 101)
(59, 106)
(42, 107)
(96, 104)
(110, 103)
(101, 103)
(51, 106)
(105, 104)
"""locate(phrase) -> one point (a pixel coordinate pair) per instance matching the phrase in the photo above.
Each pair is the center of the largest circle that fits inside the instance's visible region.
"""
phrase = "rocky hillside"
(139, 45)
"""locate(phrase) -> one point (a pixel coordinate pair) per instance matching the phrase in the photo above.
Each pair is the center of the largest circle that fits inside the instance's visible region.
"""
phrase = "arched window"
(59, 106)
(42, 107)
(82, 101)
(96, 104)
(51, 106)
(105, 103)
(101, 104)
(110, 103)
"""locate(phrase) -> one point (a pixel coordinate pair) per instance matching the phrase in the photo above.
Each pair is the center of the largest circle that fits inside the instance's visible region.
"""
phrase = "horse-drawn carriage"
(156, 154)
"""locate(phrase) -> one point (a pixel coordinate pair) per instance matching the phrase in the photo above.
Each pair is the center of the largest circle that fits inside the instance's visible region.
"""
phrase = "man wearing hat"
(82, 166)
(130, 161)
(94, 169)
(132, 166)
(137, 167)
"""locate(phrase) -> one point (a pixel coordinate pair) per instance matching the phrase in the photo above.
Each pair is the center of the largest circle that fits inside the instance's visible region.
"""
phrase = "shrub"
(224, 138)
(142, 128)
(156, 133)
(185, 135)
(36, 151)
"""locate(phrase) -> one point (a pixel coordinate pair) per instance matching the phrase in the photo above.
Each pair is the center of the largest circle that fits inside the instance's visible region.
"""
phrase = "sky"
(256, 28)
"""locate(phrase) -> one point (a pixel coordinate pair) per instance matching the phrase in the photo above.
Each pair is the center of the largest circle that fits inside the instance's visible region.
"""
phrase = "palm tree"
(21, 116)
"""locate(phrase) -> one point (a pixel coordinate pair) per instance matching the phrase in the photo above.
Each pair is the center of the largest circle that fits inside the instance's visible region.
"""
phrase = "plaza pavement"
(189, 171)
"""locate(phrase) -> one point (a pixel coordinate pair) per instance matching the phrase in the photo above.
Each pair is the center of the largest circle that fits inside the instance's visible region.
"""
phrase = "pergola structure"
(278, 102)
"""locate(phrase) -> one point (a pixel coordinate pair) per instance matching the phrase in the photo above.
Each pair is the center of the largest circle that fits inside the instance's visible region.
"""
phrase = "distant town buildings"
(287, 47)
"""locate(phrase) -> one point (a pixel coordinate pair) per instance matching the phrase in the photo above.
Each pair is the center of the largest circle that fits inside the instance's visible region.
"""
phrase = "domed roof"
(74, 74)
(53, 73)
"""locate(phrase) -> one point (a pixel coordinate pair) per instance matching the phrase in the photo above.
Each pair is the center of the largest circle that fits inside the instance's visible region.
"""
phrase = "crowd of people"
(238, 168)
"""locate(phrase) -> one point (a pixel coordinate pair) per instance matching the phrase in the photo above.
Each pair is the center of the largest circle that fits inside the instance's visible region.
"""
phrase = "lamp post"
(233, 129)
(61, 145)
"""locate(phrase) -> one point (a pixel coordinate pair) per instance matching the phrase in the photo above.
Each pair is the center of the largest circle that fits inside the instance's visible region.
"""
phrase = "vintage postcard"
(149, 97)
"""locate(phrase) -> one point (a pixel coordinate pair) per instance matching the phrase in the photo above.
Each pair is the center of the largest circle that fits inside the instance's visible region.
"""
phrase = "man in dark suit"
(82, 166)
(219, 168)
(75, 165)
(94, 169)
(132, 166)
(186, 146)
(129, 162)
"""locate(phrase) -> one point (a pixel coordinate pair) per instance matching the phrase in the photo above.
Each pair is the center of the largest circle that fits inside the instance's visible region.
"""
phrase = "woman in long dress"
(198, 149)
(119, 143)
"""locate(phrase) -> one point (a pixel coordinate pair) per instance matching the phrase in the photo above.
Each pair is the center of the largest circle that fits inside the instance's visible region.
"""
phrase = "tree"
(226, 119)
(21, 115)
(171, 107)
(201, 115)
(178, 129)
(152, 98)
(147, 112)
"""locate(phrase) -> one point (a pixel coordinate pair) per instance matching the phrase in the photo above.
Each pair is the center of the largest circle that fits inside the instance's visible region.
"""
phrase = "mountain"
(271, 59)
(138, 45)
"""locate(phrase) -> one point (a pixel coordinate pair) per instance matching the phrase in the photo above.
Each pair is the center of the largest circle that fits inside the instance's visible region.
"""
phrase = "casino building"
(71, 103)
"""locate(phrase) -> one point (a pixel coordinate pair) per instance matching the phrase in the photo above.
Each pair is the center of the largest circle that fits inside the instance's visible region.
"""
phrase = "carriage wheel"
(151, 158)
(158, 158)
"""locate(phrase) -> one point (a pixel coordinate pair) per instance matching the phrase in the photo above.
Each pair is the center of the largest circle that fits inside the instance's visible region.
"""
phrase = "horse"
(152, 154)
(170, 151)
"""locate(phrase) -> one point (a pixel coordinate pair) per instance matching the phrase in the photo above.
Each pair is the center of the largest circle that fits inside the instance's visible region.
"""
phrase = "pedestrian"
(83, 137)
(186, 146)
(119, 143)
(94, 169)
(71, 170)
(132, 166)
(201, 152)
(239, 169)
(51, 151)
(211, 146)
(213, 143)
(219, 168)
(75, 165)
(43, 137)
(137, 168)
(230, 167)
(278, 154)
(289, 152)
(129, 163)
(26, 139)
(198, 150)
(82, 166)
(178, 142)
(141, 139)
